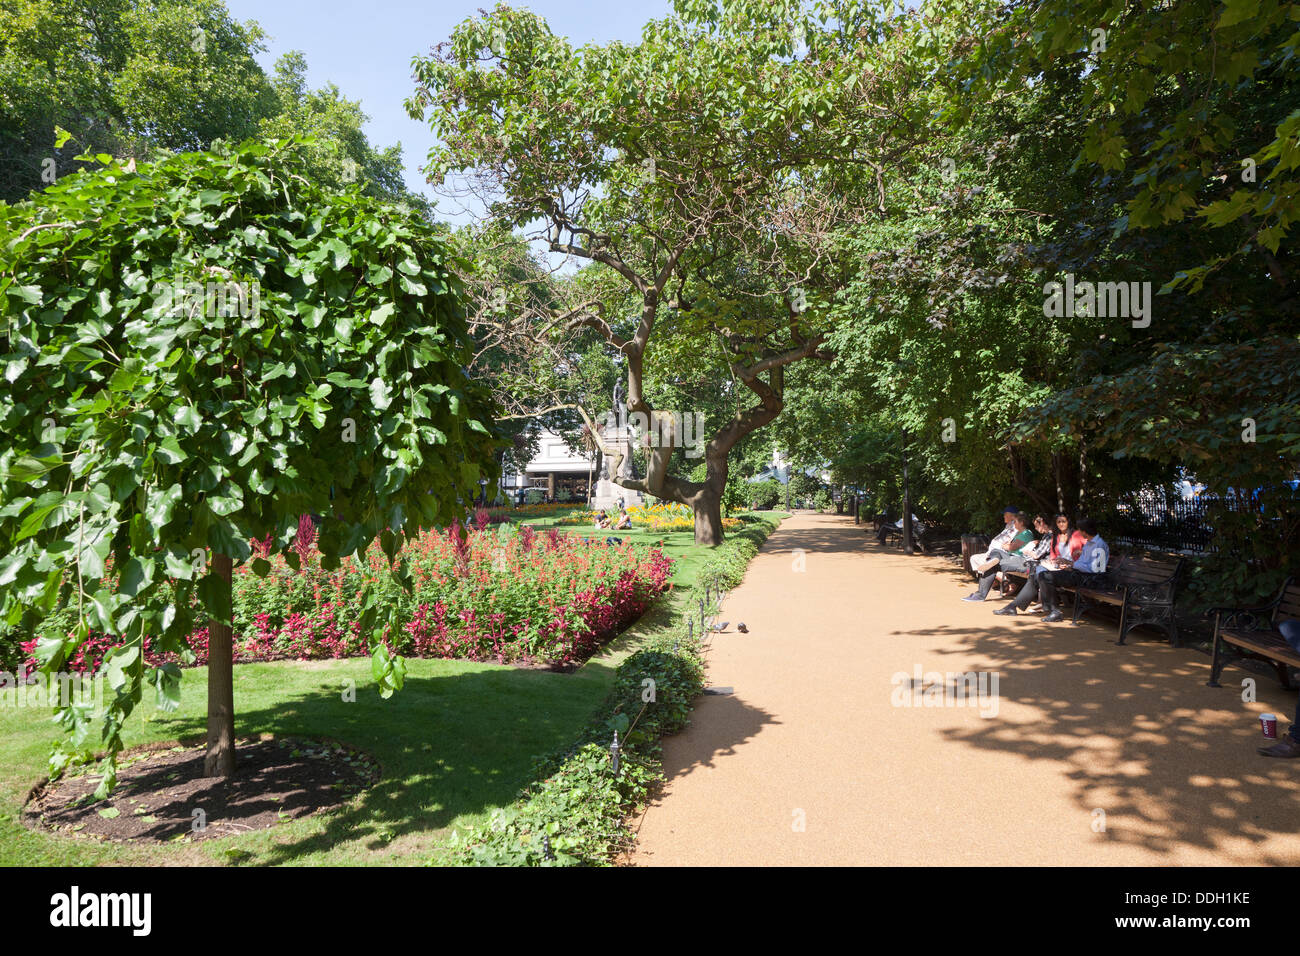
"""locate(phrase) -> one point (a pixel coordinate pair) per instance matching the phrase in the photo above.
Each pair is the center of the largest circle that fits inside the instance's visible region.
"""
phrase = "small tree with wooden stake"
(198, 352)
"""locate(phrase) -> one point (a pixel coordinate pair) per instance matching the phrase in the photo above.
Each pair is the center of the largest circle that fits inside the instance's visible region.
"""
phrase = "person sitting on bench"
(1000, 540)
(1067, 541)
(1022, 538)
(1092, 560)
(917, 528)
(1024, 551)
(1288, 746)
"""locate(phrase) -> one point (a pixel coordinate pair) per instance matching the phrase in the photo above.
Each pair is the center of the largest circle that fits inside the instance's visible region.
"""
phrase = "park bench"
(893, 533)
(971, 545)
(1144, 588)
(1252, 633)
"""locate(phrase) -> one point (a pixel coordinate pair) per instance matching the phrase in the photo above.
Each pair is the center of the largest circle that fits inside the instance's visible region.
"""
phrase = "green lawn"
(679, 545)
(457, 742)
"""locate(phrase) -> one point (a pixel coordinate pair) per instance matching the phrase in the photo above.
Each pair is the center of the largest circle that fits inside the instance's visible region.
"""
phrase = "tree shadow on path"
(1171, 761)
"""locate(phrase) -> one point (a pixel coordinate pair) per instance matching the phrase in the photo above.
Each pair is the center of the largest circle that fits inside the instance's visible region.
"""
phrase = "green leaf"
(169, 451)
(188, 416)
(381, 395)
(1238, 11)
(162, 504)
(167, 687)
(136, 576)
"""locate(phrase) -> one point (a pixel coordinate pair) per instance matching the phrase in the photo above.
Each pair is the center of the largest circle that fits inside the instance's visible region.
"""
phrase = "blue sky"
(366, 48)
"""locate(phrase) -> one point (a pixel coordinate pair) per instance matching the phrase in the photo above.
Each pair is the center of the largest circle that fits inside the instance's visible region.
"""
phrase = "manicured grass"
(456, 743)
(678, 545)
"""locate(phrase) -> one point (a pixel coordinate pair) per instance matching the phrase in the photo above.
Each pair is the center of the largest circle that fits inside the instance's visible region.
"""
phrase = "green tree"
(123, 77)
(142, 79)
(199, 352)
(664, 165)
(340, 153)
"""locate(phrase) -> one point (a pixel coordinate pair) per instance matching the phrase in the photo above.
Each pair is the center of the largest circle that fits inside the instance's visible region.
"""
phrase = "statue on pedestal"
(619, 407)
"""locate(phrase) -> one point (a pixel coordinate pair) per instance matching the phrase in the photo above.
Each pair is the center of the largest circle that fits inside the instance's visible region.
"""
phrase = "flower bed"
(478, 594)
(661, 517)
(577, 812)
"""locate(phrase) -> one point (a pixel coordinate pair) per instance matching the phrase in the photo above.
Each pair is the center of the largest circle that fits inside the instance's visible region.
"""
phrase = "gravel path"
(813, 760)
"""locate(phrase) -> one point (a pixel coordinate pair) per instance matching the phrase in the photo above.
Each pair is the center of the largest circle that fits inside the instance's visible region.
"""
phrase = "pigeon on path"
(741, 628)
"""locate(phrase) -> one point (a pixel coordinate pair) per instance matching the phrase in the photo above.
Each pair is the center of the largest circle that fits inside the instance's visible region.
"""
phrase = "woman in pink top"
(1066, 537)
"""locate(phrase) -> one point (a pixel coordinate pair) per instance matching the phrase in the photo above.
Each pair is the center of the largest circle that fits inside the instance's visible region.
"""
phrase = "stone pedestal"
(607, 492)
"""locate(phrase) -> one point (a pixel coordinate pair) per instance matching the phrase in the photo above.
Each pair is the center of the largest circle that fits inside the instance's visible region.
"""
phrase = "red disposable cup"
(1270, 724)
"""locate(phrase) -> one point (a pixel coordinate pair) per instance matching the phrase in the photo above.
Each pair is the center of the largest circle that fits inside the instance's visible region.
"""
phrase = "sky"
(365, 48)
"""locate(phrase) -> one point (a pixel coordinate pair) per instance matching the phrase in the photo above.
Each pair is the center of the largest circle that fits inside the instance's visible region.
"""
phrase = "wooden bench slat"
(1270, 643)
(1144, 576)
(1289, 607)
(1105, 597)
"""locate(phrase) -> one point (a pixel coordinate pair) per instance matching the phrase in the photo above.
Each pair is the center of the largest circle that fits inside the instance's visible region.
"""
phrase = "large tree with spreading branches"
(684, 173)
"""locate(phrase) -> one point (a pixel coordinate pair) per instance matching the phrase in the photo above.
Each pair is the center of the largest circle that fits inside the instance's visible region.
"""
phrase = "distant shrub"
(766, 494)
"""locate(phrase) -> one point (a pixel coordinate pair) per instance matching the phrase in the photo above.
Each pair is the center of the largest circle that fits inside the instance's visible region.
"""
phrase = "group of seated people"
(1062, 554)
(604, 522)
(1051, 556)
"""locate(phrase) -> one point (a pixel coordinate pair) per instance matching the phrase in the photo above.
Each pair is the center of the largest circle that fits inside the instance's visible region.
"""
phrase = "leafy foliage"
(197, 353)
(579, 807)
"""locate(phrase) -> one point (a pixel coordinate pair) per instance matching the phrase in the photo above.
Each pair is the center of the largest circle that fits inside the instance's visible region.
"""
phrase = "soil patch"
(162, 795)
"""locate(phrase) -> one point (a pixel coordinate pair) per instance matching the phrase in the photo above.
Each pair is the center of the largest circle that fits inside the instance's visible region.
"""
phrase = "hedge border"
(577, 811)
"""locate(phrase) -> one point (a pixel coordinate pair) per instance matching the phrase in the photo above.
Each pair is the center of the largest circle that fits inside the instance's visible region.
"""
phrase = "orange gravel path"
(1085, 732)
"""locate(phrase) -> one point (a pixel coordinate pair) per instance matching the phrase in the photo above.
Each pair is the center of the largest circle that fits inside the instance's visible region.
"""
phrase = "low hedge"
(726, 565)
(577, 812)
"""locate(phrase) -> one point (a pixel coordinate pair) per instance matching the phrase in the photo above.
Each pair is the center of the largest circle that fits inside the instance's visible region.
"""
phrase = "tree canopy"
(198, 352)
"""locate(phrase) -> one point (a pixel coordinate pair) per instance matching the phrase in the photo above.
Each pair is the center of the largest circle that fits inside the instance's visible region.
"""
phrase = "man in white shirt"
(1001, 539)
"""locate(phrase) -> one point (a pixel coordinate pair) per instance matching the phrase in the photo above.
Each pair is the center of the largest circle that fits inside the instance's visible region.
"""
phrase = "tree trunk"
(908, 547)
(708, 517)
(1083, 474)
(220, 758)
(1060, 484)
(1020, 479)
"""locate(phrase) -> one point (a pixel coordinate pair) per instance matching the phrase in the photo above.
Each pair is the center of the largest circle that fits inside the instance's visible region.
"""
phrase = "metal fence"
(1162, 519)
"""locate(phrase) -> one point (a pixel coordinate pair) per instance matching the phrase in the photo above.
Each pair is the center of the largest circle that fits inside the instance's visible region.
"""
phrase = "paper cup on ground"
(1269, 722)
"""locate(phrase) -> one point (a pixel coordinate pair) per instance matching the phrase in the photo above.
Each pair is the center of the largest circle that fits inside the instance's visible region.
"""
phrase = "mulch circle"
(162, 795)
